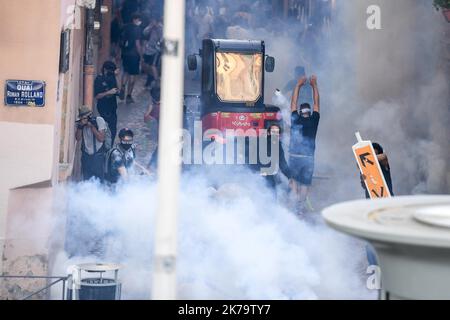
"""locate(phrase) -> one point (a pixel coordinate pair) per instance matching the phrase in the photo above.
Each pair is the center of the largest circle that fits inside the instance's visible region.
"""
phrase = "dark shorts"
(92, 165)
(302, 169)
(151, 59)
(131, 64)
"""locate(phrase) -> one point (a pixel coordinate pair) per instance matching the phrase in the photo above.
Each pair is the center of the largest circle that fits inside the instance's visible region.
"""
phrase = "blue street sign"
(25, 93)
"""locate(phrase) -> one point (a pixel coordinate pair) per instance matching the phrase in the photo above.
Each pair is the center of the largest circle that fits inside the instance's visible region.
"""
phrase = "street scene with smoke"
(211, 143)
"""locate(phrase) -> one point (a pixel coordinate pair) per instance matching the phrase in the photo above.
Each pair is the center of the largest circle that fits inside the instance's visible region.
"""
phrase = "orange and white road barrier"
(370, 167)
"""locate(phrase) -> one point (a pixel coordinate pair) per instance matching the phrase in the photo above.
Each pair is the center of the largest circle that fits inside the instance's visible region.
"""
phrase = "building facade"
(43, 41)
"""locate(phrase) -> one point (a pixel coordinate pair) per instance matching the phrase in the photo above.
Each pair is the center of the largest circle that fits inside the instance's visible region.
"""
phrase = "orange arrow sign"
(369, 166)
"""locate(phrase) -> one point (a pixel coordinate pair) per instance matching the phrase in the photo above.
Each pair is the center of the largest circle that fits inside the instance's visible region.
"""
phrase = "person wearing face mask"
(106, 91)
(120, 159)
(302, 146)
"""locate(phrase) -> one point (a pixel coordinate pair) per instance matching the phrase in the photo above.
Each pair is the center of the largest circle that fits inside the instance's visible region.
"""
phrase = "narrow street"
(132, 116)
(315, 156)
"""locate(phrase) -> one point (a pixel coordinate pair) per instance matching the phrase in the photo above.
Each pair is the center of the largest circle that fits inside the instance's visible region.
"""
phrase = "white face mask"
(305, 112)
(138, 23)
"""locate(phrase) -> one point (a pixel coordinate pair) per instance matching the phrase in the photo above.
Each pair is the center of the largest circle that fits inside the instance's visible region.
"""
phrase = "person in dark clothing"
(131, 56)
(129, 8)
(120, 159)
(302, 147)
(105, 91)
(116, 31)
(385, 168)
(273, 180)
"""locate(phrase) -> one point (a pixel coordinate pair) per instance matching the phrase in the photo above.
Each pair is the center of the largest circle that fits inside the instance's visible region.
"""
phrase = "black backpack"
(107, 164)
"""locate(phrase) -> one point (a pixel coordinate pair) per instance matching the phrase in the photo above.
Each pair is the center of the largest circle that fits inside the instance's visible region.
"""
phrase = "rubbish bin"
(99, 287)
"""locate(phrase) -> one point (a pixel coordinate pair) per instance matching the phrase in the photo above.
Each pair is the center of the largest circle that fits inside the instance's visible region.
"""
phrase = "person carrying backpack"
(92, 132)
(120, 159)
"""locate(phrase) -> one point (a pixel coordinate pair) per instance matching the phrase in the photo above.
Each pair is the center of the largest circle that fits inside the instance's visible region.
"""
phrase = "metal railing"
(62, 279)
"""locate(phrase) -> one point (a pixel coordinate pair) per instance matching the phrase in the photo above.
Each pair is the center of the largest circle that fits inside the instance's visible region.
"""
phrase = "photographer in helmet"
(120, 159)
(91, 131)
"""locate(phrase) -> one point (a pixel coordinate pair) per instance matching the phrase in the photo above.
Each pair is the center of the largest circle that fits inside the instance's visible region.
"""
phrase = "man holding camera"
(304, 125)
(106, 92)
(91, 132)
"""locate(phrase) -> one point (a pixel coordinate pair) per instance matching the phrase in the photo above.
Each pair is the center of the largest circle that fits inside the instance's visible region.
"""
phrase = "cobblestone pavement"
(132, 116)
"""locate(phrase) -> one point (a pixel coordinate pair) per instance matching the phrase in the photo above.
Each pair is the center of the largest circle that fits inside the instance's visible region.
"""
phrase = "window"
(238, 76)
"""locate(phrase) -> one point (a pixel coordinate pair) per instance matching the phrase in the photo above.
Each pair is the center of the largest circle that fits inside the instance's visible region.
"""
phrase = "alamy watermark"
(373, 22)
(232, 147)
(374, 279)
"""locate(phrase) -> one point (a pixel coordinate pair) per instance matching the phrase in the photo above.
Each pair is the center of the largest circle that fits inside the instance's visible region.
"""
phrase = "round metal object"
(438, 215)
(98, 267)
(411, 236)
(390, 220)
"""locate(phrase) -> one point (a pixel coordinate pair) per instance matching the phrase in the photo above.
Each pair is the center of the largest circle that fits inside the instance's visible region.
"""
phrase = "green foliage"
(439, 4)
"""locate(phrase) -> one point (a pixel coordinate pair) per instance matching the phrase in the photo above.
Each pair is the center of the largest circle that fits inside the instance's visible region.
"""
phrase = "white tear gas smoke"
(234, 243)
(388, 84)
(385, 84)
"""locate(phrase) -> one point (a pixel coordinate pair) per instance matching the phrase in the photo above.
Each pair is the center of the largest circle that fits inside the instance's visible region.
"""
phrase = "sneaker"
(308, 205)
(299, 210)
(129, 100)
(122, 94)
(149, 81)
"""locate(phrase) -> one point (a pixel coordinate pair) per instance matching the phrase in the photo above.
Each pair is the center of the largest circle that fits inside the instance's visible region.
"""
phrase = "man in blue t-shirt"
(302, 146)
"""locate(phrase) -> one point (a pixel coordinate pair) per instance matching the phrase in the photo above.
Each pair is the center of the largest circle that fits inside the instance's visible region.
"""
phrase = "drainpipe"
(89, 69)
(105, 31)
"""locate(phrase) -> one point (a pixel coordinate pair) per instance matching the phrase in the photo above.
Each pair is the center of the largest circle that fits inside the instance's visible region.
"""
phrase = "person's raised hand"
(313, 80)
(302, 81)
